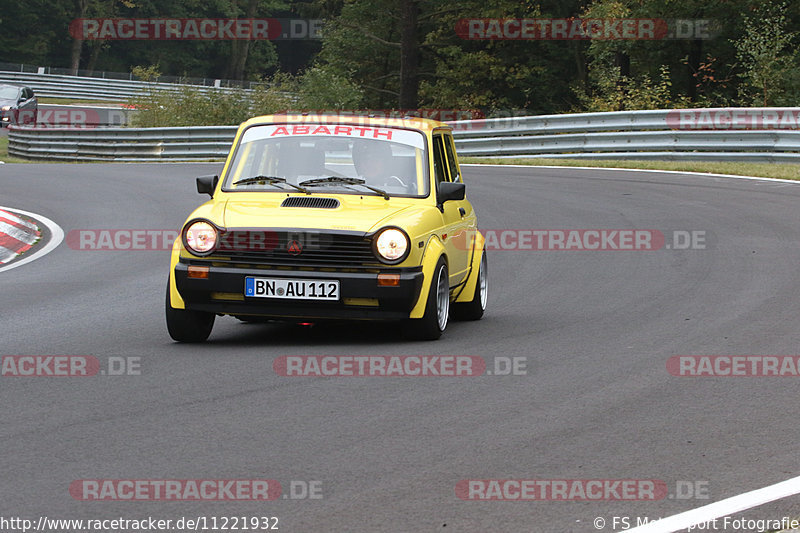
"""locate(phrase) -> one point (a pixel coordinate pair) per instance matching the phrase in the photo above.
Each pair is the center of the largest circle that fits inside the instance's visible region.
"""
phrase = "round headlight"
(201, 237)
(392, 244)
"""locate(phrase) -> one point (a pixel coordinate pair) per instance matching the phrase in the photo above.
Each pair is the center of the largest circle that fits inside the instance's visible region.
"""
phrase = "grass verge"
(73, 101)
(4, 152)
(787, 171)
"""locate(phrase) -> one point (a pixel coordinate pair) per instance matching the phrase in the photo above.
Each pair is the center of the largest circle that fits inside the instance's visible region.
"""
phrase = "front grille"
(294, 248)
(311, 201)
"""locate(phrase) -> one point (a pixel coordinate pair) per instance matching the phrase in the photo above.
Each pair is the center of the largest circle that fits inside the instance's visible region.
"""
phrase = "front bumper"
(360, 297)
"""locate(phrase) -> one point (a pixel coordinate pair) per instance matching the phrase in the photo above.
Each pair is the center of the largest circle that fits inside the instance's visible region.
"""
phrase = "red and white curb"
(17, 235)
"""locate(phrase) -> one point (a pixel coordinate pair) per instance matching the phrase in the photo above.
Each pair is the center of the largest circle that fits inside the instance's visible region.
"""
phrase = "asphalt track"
(596, 329)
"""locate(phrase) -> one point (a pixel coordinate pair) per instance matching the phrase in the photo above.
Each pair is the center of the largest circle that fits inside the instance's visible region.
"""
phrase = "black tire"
(188, 326)
(437, 309)
(473, 310)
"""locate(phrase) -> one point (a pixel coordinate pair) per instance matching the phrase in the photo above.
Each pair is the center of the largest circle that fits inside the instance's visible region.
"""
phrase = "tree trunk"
(77, 44)
(409, 55)
(693, 64)
(623, 61)
(75, 62)
(96, 48)
(240, 49)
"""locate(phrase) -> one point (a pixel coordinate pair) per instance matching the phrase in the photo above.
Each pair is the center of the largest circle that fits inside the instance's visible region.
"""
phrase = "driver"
(374, 163)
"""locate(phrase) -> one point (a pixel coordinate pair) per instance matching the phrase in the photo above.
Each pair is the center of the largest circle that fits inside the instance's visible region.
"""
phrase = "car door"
(455, 223)
(27, 106)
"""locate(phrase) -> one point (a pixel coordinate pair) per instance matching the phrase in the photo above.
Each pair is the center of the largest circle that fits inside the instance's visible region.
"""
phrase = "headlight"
(391, 245)
(5, 108)
(200, 237)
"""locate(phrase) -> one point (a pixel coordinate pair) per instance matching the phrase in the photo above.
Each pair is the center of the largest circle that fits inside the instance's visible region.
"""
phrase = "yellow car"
(327, 218)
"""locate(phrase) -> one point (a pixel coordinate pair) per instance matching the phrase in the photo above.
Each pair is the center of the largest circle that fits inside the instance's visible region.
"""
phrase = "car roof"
(422, 124)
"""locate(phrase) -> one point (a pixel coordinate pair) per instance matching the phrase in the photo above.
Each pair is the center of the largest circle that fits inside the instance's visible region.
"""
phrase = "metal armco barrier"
(199, 143)
(731, 134)
(91, 89)
(71, 115)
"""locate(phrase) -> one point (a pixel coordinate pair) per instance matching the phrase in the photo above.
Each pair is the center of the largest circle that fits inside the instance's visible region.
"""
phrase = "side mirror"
(207, 184)
(449, 190)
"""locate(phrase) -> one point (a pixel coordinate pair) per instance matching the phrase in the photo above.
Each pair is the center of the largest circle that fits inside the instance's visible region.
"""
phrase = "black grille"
(311, 201)
(294, 248)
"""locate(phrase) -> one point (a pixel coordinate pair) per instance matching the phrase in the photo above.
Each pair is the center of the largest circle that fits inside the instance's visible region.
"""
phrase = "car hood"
(355, 213)
(4, 101)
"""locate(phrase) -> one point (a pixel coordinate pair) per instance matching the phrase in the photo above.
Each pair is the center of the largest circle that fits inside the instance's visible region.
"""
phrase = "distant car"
(318, 218)
(18, 105)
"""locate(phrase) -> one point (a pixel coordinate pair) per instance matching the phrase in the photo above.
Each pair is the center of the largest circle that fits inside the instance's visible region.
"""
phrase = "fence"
(759, 134)
(102, 89)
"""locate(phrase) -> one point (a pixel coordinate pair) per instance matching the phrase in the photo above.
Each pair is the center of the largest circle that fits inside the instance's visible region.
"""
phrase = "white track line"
(56, 236)
(701, 174)
(731, 505)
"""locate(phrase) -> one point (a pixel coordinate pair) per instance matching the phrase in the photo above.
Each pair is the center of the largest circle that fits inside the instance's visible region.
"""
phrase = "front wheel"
(473, 310)
(188, 326)
(437, 308)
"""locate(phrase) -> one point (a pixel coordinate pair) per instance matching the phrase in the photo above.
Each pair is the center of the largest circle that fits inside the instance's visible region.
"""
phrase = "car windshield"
(8, 93)
(349, 159)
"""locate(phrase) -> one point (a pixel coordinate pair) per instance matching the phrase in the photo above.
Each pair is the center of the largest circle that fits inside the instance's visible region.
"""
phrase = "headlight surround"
(200, 237)
(391, 245)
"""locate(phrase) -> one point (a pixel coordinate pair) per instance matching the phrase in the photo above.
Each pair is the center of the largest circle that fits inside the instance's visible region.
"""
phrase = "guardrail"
(200, 143)
(93, 89)
(654, 135)
(70, 115)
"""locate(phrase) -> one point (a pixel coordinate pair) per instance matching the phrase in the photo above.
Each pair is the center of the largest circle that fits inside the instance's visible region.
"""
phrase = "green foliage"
(752, 59)
(614, 92)
(766, 54)
(320, 87)
(313, 90)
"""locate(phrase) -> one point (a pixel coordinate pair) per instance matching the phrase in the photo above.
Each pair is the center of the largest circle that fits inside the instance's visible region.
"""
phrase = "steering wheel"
(399, 181)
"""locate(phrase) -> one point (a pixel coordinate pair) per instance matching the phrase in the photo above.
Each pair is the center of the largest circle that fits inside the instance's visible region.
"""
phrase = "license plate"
(293, 289)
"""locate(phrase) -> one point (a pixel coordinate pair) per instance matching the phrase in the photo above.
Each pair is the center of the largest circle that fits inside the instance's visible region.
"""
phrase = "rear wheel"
(473, 310)
(437, 308)
(188, 326)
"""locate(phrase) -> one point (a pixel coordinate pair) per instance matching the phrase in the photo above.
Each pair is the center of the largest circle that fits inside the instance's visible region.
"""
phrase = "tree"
(766, 52)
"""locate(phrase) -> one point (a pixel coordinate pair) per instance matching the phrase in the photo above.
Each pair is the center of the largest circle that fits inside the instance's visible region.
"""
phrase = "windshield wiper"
(271, 180)
(345, 181)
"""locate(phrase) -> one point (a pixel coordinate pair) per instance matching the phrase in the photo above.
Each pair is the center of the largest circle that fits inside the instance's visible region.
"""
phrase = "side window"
(439, 162)
(452, 162)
